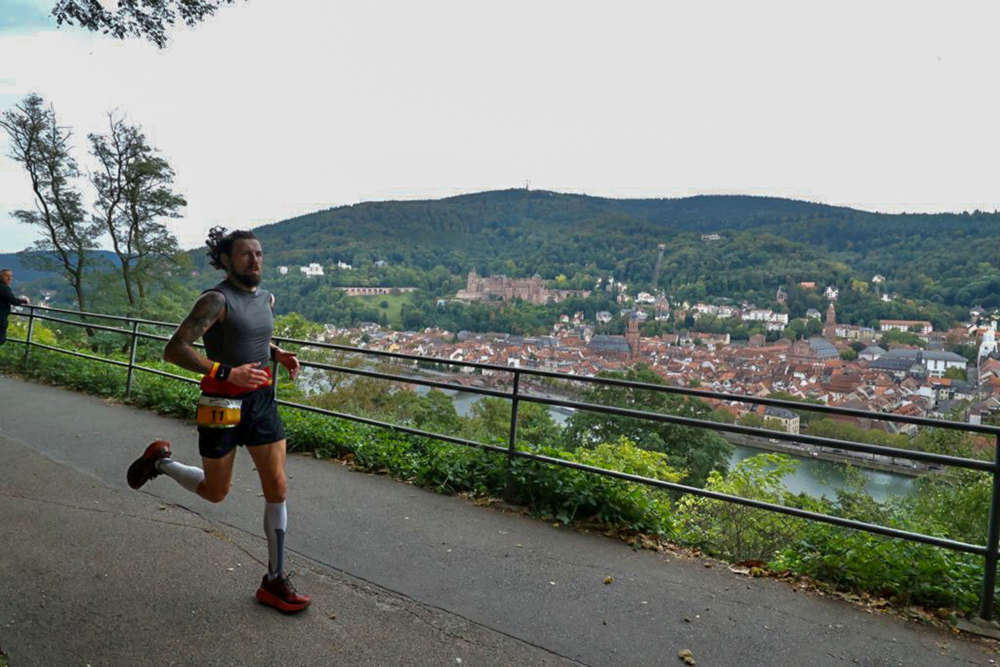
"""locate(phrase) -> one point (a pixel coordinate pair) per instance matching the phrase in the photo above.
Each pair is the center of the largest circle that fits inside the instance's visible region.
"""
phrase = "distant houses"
(916, 326)
(901, 361)
(780, 419)
(313, 269)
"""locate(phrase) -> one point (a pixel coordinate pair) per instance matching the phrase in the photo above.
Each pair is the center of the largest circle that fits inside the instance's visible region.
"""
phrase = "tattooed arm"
(208, 309)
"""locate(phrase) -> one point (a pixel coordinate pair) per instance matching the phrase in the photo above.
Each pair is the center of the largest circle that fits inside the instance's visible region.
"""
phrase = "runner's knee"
(275, 488)
(214, 493)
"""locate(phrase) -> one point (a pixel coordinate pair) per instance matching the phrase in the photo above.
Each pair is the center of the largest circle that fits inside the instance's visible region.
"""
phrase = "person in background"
(7, 299)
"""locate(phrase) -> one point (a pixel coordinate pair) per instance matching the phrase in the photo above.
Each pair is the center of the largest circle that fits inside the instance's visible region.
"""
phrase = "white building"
(989, 344)
(283, 270)
(344, 266)
(921, 326)
(645, 297)
(757, 315)
(314, 269)
(938, 362)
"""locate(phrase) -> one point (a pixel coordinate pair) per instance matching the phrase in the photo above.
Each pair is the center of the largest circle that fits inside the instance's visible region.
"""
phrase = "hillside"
(950, 259)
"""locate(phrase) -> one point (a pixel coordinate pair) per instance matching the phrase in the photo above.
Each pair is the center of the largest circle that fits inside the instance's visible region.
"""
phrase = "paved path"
(95, 573)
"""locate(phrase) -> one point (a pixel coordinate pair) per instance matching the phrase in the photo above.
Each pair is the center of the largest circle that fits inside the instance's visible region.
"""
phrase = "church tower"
(830, 328)
(632, 337)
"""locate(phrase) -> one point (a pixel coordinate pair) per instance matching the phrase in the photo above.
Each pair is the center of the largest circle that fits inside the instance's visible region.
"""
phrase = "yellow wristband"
(215, 369)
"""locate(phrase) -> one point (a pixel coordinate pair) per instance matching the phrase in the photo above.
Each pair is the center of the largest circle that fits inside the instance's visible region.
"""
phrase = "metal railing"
(988, 551)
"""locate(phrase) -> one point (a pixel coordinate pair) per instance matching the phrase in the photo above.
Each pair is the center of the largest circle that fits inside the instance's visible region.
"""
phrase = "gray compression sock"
(275, 524)
(187, 476)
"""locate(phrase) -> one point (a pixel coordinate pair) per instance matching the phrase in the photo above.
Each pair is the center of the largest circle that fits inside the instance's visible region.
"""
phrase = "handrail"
(989, 551)
(684, 391)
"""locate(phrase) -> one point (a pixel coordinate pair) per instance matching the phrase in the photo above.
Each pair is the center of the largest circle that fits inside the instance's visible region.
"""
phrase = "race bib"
(218, 412)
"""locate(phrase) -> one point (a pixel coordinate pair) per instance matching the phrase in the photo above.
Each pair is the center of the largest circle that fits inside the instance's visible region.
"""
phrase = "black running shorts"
(259, 425)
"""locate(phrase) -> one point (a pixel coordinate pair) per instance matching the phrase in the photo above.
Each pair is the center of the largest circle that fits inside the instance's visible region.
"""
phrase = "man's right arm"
(180, 349)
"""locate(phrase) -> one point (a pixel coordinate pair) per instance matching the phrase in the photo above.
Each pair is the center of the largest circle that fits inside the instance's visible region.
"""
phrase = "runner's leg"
(270, 462)
(189, 477)
(211, 482)
(218, 477)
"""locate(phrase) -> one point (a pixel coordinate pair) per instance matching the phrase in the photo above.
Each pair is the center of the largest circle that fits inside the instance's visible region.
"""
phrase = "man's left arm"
(286, 359)
(7, 296)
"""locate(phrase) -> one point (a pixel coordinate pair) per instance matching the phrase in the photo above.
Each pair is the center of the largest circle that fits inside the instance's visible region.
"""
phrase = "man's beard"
(248, 279)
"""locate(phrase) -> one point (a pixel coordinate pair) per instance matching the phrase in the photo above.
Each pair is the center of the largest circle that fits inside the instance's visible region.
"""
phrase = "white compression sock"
(187, 476)
(275, 524)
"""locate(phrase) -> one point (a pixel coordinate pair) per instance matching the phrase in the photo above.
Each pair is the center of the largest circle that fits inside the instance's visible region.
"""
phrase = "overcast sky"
(275, 108)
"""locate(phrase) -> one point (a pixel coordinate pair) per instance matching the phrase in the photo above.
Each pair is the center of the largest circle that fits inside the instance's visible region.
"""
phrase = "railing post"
(512, 439)
(31, 328)
(992, 538)
(131, 359)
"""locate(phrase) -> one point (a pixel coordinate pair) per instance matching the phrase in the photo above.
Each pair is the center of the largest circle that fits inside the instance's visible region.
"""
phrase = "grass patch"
(395, 304)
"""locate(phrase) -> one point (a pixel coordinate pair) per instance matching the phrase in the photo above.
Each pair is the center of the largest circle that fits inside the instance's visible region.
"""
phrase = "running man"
(237, 405)
(7, 299)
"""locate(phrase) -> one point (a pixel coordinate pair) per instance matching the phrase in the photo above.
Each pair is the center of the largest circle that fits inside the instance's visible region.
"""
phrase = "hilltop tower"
(656, 269)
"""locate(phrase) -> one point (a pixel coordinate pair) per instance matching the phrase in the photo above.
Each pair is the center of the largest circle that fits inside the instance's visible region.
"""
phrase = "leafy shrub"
(568, 493)
(909, 572)
(739, 532)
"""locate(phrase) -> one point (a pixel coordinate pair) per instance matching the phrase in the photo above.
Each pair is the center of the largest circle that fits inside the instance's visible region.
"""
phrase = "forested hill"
(951, 259)
(542, 232)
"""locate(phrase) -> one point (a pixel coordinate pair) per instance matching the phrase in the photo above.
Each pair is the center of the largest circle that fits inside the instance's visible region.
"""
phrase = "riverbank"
(861, 460)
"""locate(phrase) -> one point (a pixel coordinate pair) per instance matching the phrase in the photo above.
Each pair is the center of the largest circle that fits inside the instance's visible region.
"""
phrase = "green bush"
(909, 572)
(738, 532)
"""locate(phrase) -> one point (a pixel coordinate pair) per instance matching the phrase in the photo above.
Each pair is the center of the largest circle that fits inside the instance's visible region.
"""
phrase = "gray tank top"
(244, 336)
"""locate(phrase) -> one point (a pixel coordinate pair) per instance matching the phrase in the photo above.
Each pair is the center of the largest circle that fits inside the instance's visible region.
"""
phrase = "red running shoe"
(143, 468)
(280, 594)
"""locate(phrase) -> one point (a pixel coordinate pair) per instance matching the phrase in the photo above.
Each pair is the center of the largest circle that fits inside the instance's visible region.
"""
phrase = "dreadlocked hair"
(220, 243)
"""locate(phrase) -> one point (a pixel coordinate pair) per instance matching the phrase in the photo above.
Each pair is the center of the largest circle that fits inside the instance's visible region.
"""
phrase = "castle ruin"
(532, 290)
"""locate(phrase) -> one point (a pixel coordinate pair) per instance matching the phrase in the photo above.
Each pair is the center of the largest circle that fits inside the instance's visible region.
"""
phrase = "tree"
(135, 18)
(41, 146)
(133, 186)
(696, 450)
(436, 412)
(294, 325)
(954, 373)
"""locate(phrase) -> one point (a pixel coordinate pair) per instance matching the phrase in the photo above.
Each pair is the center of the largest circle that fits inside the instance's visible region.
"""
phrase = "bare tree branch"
(41, 146)
(135, 18)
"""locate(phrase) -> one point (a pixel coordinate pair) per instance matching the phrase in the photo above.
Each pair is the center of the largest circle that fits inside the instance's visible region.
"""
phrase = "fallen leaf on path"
(686, 656)
(608, 580)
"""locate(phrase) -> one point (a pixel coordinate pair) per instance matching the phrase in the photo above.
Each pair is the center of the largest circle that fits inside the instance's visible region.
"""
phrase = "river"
(813, 476)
